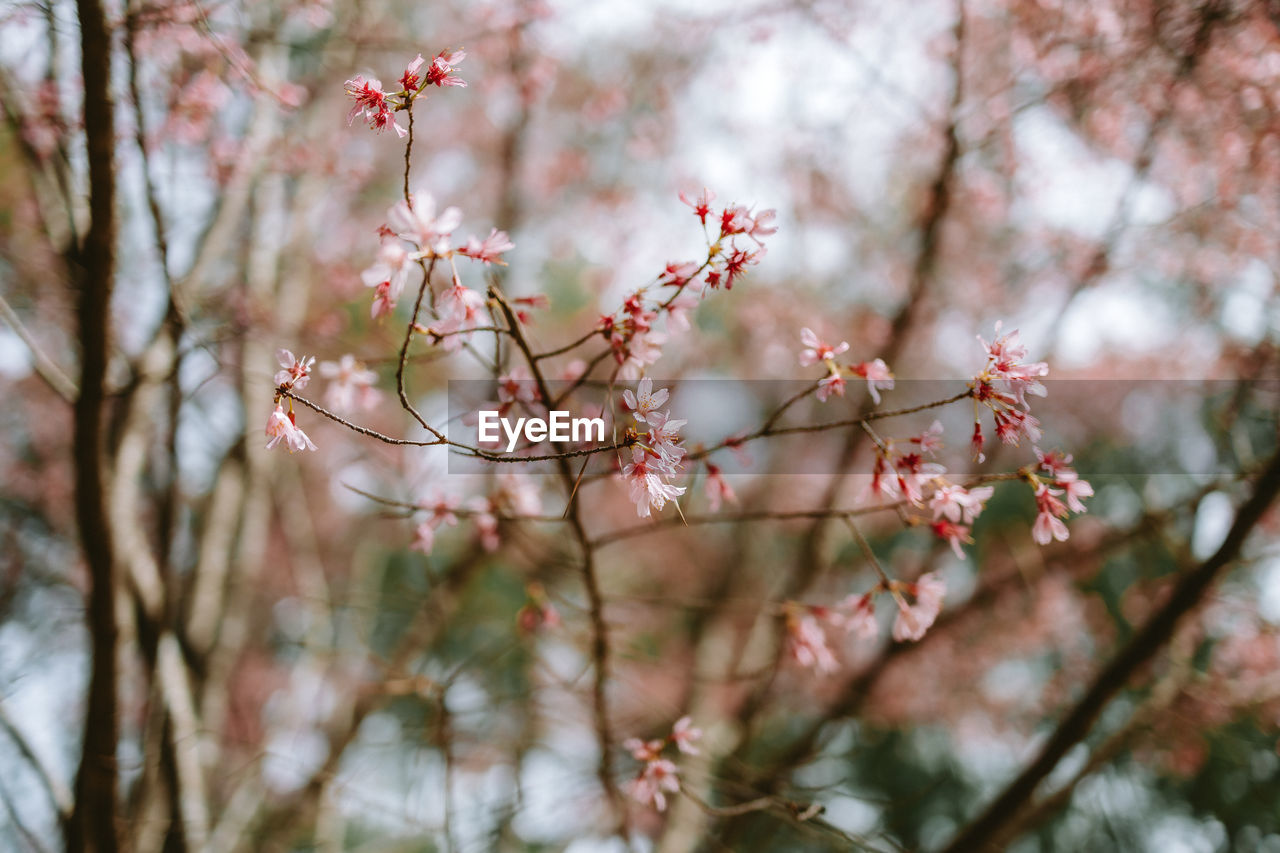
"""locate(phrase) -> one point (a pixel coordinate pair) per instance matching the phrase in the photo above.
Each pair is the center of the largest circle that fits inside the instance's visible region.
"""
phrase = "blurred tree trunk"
(92, 825)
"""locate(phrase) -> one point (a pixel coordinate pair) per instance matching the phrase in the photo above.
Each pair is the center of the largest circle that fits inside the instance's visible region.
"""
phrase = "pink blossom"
(490, 249)
(384, 303)
(915, 619)
(440, 72)
(807, 644)
(877, 374)
(930, 440)
(1076, 489)
(664, 437)
(424, 538)
(440, 512)
(955, 534)
(860, 618)
(648, 491)
(977, 442)
(1012, 424)
(460, 309)
(914, 473)
(683, 735)
(956, 503)
(409, 79)
(655, 780)
(1047, 528)
(518, 494)
(417, 222)
(387, 274)
(762, 225)
(702, 205)
(296, 372)
(833, 383)
(643, 349)
(678, 311)
(283, 426)
(1004, 356)
(717, 489)
(371, 103)
(818, 350)
(517, 386)
(1049, 525)
(677, 274)
(644, 401)
(350, 385)
(1058, 465)
(644, 750)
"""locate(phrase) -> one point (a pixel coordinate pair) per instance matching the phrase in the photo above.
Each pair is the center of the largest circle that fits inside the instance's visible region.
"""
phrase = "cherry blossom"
(283, 426)
(517, 386)
(409, 80)
(913, 620)
(930, 441)
(717, 489)
(701, 205)
(1050, 512)
(857, 615)
(490, 249)
(350, 385)
(877, 374)
(644, 477)
(440, 72)
(440, 513)
(684, 734)
(818, 350)
(832, 383)
(958, 504)
(644, 401)
(664, 437)
(460, 310)
(678, 274)
(371, 104)
(387, 275)
(807, 644)
(417, 222)
(296, 372)
(658, 778)
(955, 534)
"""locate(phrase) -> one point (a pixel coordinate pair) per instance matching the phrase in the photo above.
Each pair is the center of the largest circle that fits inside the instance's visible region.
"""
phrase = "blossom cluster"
(875, 372)
(351, 389)
(415, 221)
(514, 496)
(918, 605)
(1057, 478)
(659, 776)
(377, 108)
(631, 332)
(1003, 386)
(282, 427)
(656, 455)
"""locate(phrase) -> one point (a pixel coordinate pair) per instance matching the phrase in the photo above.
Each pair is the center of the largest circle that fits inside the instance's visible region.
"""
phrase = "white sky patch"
(1115, 317)
(1245, 306)
(1269, 589)
(15, 358)
(1068, 186)
(1213, 520)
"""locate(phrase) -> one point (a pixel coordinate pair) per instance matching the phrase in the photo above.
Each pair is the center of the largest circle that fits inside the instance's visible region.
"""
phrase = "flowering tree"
(844, 566)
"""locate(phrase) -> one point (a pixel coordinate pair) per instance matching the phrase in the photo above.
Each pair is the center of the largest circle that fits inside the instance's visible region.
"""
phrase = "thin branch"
(45, 367)
(59, 795)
